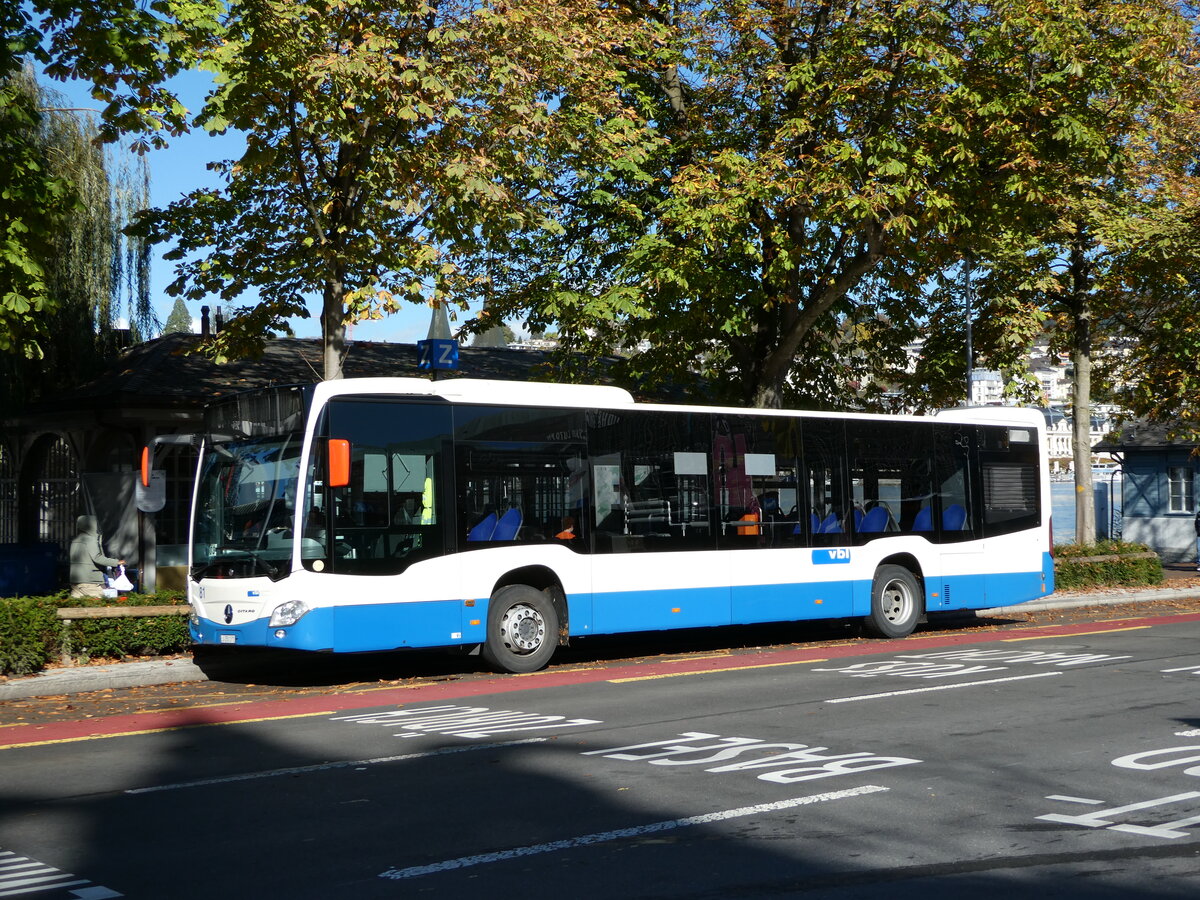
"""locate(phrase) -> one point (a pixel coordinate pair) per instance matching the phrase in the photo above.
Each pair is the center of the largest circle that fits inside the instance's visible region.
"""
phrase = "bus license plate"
(229, 639)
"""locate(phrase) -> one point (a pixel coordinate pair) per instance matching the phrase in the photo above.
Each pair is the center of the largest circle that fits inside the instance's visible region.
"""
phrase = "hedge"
(1105, 564)
(31, 632)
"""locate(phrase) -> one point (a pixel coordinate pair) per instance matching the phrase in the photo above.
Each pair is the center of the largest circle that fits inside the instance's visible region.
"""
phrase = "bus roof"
(482, 390)
(592, 396)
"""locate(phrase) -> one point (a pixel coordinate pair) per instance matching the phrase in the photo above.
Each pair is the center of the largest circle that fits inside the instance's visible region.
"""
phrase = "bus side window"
(757, 483)
(829, 508)
(890, 466)
(653, 482)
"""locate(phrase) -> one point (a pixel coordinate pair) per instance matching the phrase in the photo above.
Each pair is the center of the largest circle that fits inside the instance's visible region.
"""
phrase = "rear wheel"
(895, 603)
(522, 629)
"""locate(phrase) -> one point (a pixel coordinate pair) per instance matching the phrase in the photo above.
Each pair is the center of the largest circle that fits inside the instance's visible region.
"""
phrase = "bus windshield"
(245, 508)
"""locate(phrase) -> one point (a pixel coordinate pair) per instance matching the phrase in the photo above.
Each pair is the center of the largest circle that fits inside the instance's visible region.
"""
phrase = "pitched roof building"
(1159, 488)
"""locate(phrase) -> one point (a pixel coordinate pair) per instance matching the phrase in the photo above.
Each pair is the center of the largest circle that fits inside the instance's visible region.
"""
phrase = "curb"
(98, 678)
(180, 670)
(1101, 598)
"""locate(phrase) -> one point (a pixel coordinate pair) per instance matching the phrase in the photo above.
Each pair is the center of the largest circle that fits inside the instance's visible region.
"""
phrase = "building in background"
(1159, 487)
(78, 453)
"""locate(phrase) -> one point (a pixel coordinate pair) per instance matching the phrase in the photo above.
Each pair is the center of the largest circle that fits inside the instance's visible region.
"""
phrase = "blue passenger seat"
(483, 530)
(508, 526)
(954, 518)
(875, 520)
(924, 519)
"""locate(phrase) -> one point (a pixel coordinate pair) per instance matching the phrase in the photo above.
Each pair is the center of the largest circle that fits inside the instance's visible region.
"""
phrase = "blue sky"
(181, 168)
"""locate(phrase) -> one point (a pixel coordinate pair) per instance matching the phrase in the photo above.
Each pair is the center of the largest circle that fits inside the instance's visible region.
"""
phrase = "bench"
(72, 614)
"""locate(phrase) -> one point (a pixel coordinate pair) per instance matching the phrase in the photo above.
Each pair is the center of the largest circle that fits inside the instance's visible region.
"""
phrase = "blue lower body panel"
(985, 590)
(433, 624)
(789, 602)
(615, 612)
(359, 628)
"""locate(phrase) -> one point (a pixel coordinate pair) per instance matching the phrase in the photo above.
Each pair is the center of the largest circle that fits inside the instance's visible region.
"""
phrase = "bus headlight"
(288, 613)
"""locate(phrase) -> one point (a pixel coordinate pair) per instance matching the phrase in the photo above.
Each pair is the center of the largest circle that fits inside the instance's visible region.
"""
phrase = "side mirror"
(189, 440)
(339, 462)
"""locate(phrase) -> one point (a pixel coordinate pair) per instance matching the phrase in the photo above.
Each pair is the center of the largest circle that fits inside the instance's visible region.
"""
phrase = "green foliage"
(1156, 376)
(31, 634)
(1070, 573)
(35, 202)
(772, 196)
(817, 165)
(385, 142)
(129, 49)
(1114, 131)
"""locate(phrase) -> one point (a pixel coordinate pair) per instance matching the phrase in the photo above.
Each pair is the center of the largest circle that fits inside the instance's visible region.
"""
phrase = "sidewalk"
(1179, 581)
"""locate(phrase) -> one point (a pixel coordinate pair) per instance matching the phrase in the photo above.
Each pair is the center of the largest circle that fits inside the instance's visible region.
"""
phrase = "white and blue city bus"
(376, 514)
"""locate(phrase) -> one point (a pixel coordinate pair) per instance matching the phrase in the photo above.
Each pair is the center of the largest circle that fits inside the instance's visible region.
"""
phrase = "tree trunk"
(333, 328)
(768, 396)
(1081, 400)
(769, 373)
(1081, 448)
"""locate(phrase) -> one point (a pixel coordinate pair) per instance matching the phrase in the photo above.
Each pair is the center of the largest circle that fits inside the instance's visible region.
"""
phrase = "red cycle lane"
(126, 725)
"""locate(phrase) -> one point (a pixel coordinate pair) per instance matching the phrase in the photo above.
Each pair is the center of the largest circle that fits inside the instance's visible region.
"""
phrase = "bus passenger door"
(957, 522)
(655, 565)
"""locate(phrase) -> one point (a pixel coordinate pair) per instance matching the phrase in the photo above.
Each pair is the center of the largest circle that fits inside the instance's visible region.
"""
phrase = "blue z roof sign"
(437, 354)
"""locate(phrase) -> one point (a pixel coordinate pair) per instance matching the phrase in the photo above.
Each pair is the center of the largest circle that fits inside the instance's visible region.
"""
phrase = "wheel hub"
(897, 602)
(523, 629)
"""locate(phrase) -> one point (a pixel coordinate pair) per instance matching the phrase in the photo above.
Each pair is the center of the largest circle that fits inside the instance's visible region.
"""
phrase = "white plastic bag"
(119, 580)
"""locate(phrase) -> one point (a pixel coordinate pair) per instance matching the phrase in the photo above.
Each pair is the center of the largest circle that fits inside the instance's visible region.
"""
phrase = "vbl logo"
(832, 556)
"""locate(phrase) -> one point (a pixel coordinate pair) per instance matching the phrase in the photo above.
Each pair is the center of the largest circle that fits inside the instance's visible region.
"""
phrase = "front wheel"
(895, 603)
(522, 629)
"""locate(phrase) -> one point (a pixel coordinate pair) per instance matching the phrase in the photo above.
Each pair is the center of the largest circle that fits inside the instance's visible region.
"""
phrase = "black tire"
(522, 630)
(896, 603)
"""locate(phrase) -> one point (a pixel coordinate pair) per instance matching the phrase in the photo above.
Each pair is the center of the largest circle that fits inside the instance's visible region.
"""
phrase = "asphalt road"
(1061, 757)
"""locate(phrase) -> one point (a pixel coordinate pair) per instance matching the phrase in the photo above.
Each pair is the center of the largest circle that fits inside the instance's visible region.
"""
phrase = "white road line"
(942, 687)
(21, 876)
(1181, 669)
(326, 767)
(26, 891)
(1191, 732)
(600, 837)
(1067, 799)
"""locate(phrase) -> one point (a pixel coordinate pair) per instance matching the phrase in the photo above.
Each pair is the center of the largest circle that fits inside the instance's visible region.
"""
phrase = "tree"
(1156, 374)
(385, 141)
(820, 164)
(1114, 127)
(37, 201)
(69, 272)
(180, 320)
(1155, 315)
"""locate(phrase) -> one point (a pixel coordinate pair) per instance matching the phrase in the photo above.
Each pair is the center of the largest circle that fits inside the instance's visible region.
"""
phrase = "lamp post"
(969, 264)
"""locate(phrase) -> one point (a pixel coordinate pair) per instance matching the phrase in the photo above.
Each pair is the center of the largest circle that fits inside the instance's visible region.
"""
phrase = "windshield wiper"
(230, 552)
(271, 570)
